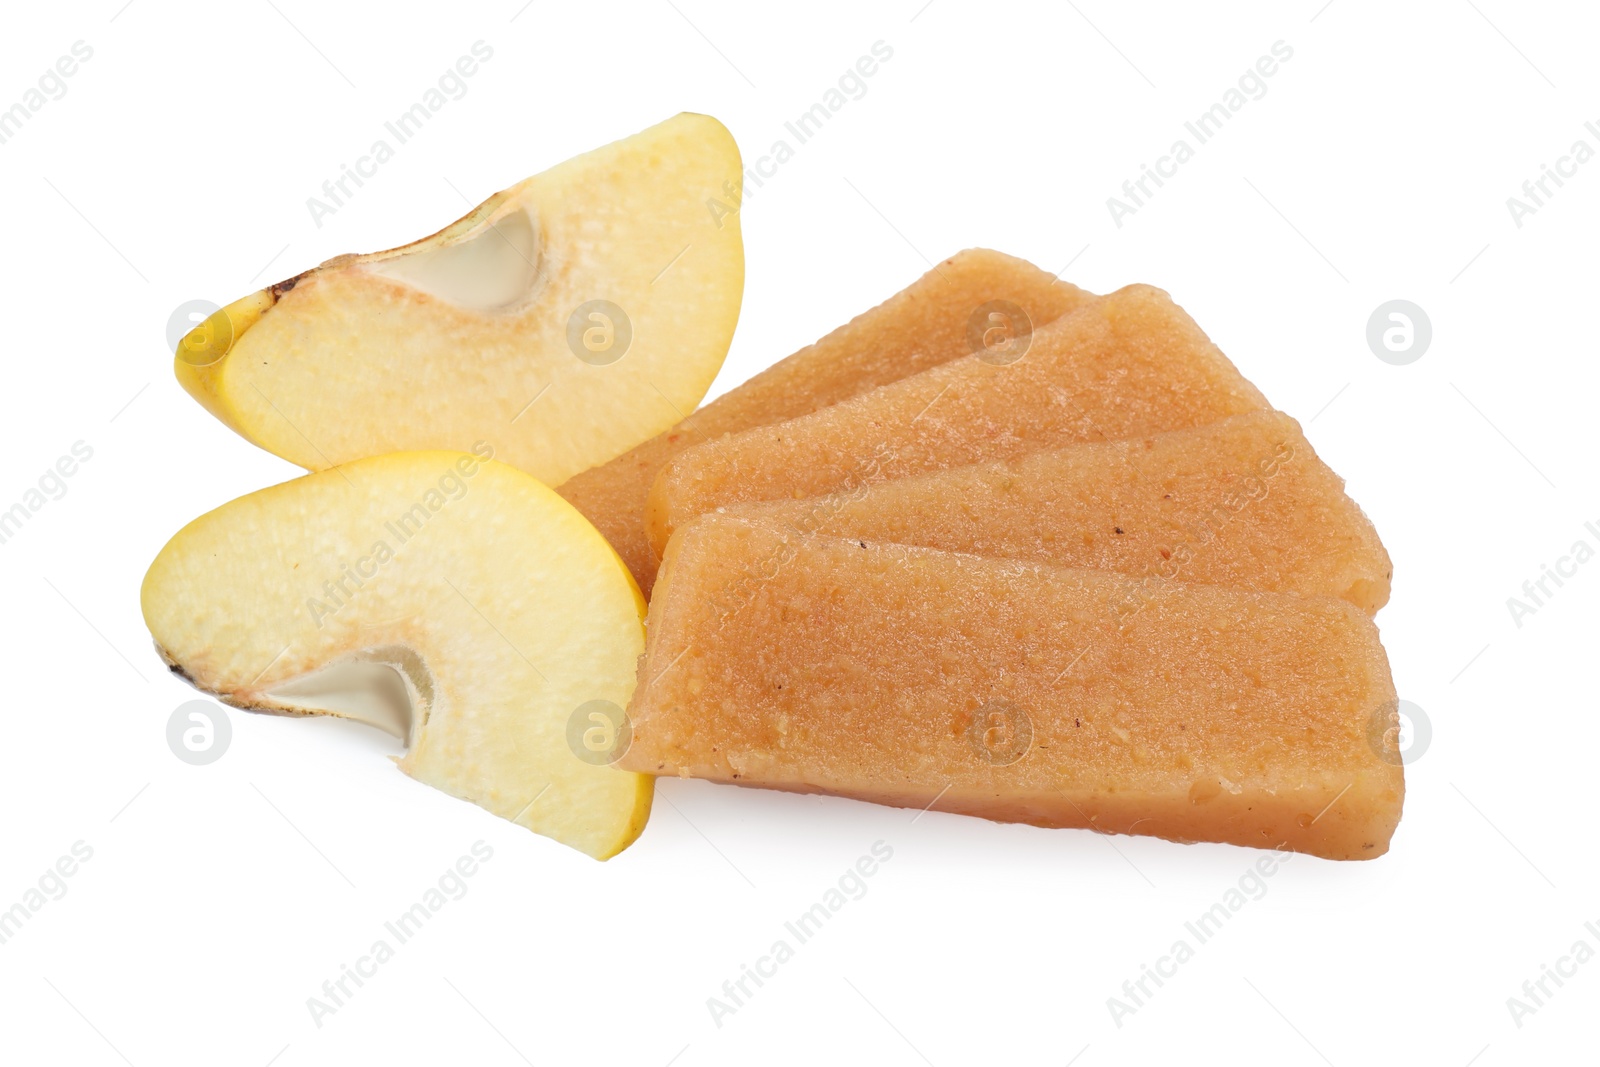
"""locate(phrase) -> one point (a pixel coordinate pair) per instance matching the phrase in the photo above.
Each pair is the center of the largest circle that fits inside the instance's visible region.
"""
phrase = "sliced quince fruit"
(564, 320)
(448, 598)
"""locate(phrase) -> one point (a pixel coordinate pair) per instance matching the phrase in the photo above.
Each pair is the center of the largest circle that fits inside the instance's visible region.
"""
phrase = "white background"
(1377, 166)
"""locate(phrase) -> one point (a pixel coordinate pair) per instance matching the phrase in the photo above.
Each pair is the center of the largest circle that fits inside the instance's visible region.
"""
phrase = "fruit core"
(492, 268)
(390, 688)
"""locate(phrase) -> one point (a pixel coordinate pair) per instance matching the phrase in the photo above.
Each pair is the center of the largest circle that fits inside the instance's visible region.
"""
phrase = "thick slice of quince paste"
(1017, 691)
(1122, 365)
(1242, 502)
(975, 299)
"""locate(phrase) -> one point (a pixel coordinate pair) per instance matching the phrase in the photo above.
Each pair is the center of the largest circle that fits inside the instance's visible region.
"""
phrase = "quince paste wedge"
(1017, 691)
(1122, 365)
(976, 299)
(1242, 502)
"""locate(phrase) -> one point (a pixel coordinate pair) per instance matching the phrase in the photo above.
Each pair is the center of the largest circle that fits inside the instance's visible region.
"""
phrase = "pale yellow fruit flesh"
(1017, 691)
(928, 323)
(464, 336)
(500, 608)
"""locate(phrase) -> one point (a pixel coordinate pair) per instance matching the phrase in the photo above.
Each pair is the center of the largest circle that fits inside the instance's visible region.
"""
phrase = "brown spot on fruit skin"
(277, 290)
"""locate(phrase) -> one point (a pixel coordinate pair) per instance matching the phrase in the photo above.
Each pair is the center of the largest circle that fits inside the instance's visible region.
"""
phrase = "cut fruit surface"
(1242, 502)
(975, 298)
(1121, 365)
(445, 597)
(1017, 691)
(564, 320)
